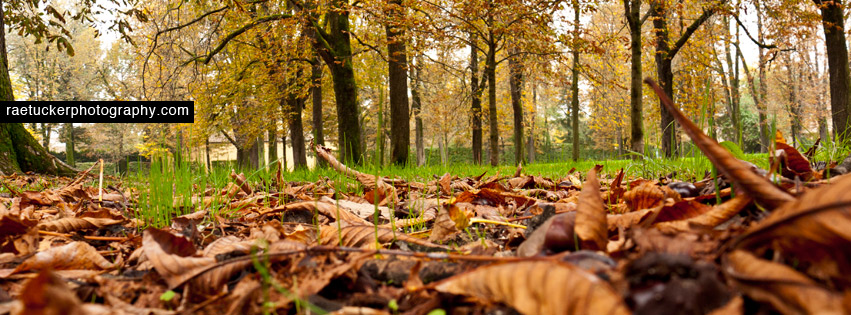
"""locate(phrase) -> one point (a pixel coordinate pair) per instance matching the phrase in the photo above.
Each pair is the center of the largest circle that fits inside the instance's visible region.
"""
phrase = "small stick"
(100, 184)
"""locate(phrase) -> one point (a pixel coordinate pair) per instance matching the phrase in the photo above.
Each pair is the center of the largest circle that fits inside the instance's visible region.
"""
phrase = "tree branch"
(689, 31)
(241, 30)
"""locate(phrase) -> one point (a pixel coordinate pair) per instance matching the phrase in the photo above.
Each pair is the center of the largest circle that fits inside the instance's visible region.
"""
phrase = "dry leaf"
(787, 290)
(538, 287)
(591, 224)
(74, 255)
(717, 215)
(760, 188)
(365, 236)
(171, 255)
(814, 229)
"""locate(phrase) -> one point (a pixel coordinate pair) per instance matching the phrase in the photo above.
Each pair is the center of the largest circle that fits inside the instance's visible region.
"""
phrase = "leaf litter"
(590, 243)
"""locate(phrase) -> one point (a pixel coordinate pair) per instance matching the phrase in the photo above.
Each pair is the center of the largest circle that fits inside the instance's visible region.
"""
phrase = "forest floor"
(758, 238)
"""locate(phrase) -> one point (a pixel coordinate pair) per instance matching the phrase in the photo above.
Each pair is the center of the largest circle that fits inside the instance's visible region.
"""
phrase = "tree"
(515, 73)
(665, 53)
(574, 81)
(833, 23)
(397, 60)
(20, 151)
(632, 10)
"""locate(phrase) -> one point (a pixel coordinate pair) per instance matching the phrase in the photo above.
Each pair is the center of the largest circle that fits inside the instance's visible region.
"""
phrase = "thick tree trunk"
(515, 82)
(632, 11)
(19, 151)
(664, 57)
(493, 128)
(665, 76)
(833, 23)
(416, 107)
(400, 127)
(339, 61)
(476, 101)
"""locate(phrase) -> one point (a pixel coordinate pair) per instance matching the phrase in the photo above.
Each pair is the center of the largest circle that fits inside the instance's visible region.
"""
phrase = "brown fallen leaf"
(709, 219)
(172, 255)
(241, 181)
(74, 255)
(326, 209)
(538, 287)
(760, 188)
(787, 290)
(65, 225)
(445, 184)
(815, 229)
(365, 236)
(48, 294)
(591, 224)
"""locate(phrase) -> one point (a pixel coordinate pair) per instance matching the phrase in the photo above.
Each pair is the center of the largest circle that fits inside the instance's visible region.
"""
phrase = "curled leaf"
(787, 290)
(538, 287)
(591, 224)
(760, 188)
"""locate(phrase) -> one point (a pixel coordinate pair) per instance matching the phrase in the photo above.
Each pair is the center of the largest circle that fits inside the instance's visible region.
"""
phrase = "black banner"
(97, 112)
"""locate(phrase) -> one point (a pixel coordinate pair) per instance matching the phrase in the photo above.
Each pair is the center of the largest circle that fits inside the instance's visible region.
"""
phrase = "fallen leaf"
(760, 188)
(787, 290)
(538, 287)
(591, 224)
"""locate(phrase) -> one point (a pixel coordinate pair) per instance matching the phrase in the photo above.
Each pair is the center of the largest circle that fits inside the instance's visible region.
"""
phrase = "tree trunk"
(207, 152)
(19, 151)
(632, 11)
(416, 107)
(316, 99)
(493, 128)
(664, 57)
(763, 113)
(476, 101)
(530, 144)
(400, 127)
(833, 23)
(574, 82)
(732, 68)
(515, 82)
(272, 135)
(665, 76)
(338, 56)
(292, 110)
(69, 145)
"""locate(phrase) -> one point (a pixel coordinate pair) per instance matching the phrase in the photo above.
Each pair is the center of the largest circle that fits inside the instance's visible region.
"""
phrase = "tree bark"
(665, 54)
(272, 135)
(400, 127)
(335, 48)
(763, 90)
(19, 151)
(664, 74)
(476, 101)
(574, 82)
(292, 110)
(69, 145)
(530, 144)
(416, 107)
(515, 82)
(632, 11)
(493, 128)
(833, 23)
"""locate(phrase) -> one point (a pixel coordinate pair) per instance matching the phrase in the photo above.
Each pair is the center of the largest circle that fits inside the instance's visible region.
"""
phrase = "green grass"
(162, 183)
